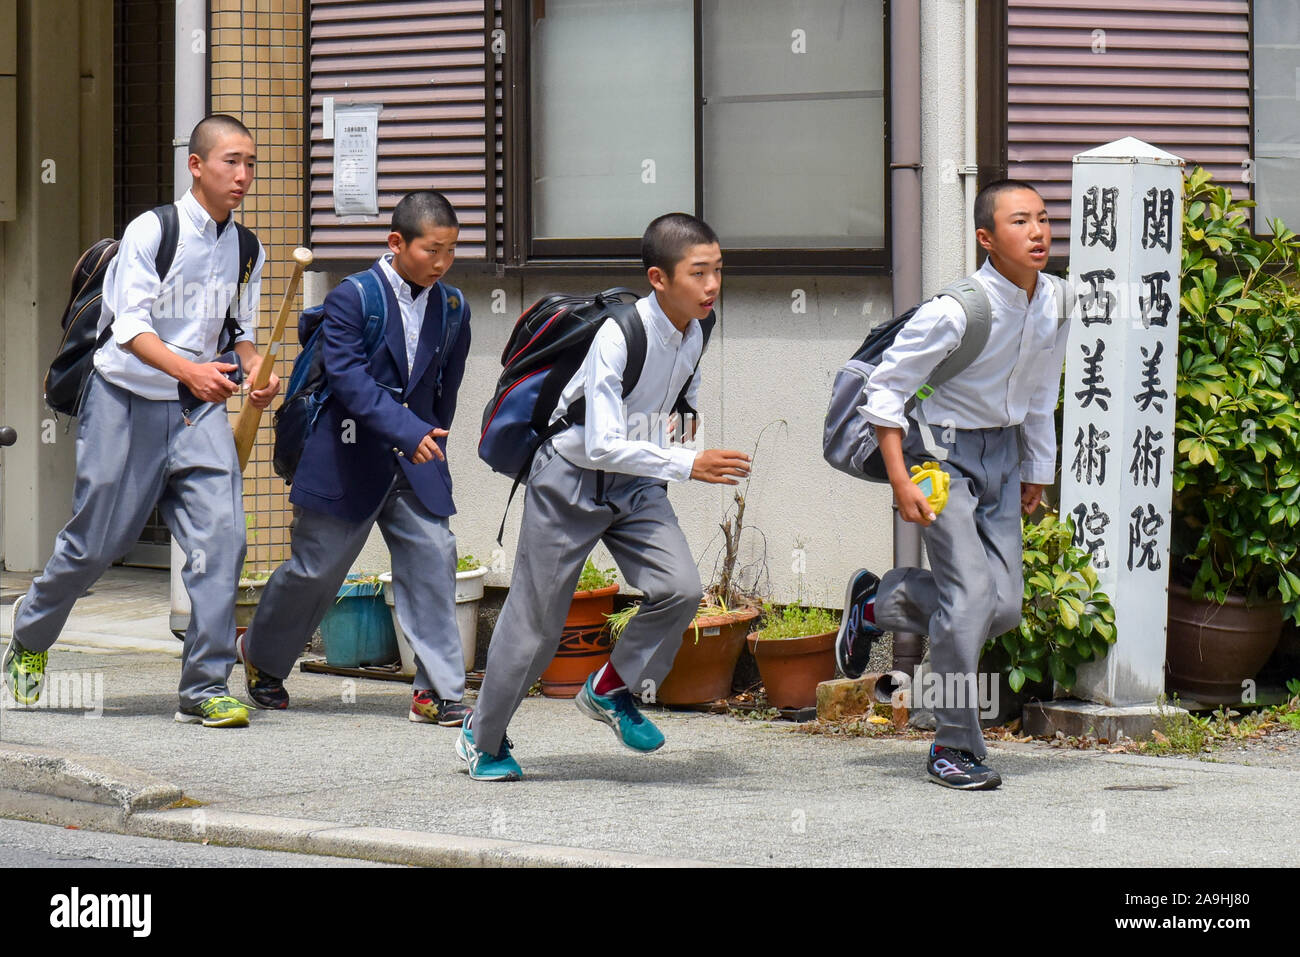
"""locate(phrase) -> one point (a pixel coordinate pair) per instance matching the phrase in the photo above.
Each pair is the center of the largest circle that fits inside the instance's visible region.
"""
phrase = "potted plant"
(469, 592)
(358, 629)
(586, 644)
(795, 651)
(1065, 620)
(711, 646)
(1235, 531)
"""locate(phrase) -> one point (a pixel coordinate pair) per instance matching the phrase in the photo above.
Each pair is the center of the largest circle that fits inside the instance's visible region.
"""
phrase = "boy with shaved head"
(153, 429)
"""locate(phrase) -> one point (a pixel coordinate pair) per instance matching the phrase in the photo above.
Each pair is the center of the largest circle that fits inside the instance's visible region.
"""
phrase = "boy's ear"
(985, 239)
(658, 278)
(395, 242)
(194, 164)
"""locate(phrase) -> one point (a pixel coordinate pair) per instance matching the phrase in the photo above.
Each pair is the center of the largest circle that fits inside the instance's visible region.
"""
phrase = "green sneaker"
(633, 729)
(24, 671)
(219, 711)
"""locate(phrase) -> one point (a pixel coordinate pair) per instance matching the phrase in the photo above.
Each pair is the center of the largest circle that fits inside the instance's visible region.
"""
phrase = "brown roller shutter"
(1174, 75)
(427, 64)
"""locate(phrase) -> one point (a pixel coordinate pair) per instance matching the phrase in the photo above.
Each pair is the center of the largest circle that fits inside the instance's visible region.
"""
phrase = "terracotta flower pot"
(792, 668)
(1214, 648)
(586, 643)
(702, 670)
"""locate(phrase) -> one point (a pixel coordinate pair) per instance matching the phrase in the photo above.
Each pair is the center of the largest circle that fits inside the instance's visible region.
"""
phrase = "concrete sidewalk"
(344, 772)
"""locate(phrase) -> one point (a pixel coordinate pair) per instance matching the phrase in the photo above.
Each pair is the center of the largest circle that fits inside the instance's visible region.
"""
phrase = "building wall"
(64, 203)
(257, 76)
(810, 525)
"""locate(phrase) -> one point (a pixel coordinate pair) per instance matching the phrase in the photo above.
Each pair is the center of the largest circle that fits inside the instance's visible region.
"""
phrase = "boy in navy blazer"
(377, 454)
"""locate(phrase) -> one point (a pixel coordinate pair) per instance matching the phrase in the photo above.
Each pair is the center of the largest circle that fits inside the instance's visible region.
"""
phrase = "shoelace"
(33, 660)
(624, 705)
(220, 702)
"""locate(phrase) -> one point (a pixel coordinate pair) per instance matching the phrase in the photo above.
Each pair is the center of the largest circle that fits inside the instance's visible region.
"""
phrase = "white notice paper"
(356, 135)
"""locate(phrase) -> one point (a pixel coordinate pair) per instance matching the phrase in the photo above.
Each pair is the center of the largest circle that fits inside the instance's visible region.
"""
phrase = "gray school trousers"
(975, 585)
(324, 547)
(133, 453)
(562, 523)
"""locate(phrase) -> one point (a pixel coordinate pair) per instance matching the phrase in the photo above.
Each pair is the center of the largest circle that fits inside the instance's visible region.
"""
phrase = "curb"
(96, 793)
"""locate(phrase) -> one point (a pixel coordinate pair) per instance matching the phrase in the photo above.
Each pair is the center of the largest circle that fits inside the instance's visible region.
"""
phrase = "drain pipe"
(905, 224)
(191, 45)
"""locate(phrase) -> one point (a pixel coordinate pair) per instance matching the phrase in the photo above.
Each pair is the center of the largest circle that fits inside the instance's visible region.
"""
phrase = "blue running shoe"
(633, 729)
(483, 766)
(857, 633)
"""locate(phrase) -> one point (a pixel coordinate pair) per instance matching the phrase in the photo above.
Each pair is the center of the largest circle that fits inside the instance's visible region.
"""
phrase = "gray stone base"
(1080, 718)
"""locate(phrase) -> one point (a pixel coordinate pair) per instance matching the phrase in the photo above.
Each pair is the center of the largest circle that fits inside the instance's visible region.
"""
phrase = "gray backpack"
(848, 440)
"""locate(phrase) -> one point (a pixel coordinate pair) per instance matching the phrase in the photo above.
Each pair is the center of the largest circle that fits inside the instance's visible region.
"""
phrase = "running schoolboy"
(998, 414)
(594, 483)
(388, 467)
(135, 446)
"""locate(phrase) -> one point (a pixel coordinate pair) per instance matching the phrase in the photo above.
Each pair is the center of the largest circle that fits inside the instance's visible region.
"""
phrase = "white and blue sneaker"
(483, 766)
(633, 729)
(857, 631)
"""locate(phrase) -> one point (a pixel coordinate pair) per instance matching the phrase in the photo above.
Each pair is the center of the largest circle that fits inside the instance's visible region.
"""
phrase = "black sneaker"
(266, 691)
(853, 643)
(960, 770)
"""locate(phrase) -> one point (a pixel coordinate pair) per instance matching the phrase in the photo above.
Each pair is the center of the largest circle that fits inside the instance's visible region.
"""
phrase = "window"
(766, 117)
(1276, 30)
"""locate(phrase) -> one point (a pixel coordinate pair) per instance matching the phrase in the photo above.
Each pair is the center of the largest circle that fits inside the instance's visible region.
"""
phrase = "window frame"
(523, 253)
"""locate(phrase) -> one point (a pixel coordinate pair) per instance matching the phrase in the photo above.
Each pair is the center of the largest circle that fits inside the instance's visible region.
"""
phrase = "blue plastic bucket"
(358, 629)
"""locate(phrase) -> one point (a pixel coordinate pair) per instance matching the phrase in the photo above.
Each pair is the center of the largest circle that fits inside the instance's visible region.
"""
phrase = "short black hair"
(986, 200)
(211, 128)
(417, 211)
(668, 237)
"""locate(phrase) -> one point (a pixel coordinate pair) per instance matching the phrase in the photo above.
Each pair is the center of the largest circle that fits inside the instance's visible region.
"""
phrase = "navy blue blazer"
(376, 416)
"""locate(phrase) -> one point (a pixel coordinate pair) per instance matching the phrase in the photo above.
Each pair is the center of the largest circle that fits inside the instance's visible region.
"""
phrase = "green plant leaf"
(1016, 679)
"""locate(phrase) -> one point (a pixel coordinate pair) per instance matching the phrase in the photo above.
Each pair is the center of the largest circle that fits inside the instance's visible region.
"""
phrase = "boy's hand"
(208, 382)
(913, 506)
(720, 466)
(428, 449)
(260, 398)
(1030, 496)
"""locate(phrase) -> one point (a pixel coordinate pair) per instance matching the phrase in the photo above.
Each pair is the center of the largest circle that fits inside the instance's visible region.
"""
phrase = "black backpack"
(66, 379)
(549, 343)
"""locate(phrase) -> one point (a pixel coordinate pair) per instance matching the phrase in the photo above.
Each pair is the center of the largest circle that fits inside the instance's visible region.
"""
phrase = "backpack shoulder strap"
(375, 306)
(1064, 298)
(629, 321)
(681, 406)
(171, 231)
(979, 318)
(248, 247)
(453, 317)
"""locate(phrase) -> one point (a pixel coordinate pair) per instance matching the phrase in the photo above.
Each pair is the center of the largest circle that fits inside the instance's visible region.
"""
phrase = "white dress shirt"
(1015, 381)
(412, 309)
(186, 309)
(632, 436)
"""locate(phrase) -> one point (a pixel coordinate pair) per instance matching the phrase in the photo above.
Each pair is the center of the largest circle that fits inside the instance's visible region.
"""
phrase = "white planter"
(469, 591)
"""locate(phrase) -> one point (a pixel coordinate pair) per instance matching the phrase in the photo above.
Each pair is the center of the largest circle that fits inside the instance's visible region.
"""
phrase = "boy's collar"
(395, 278)
(198, 215)
(662, 324)
(1007, 289)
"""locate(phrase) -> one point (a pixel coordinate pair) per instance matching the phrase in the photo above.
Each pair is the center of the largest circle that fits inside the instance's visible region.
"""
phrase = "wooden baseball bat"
(250, 415)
